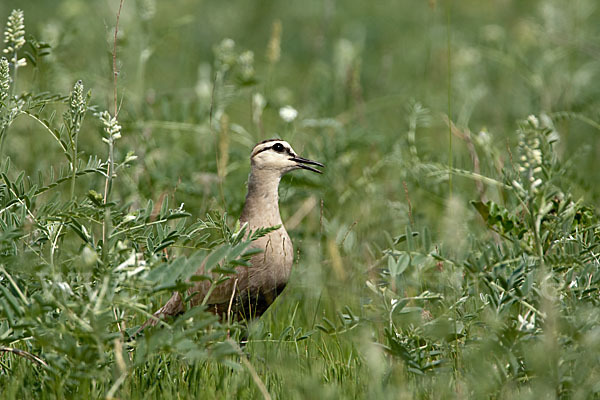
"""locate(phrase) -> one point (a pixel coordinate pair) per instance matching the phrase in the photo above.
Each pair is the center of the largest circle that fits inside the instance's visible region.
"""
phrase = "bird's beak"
(306, 164)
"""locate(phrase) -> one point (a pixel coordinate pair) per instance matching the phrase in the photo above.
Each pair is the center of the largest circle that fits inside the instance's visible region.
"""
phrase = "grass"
(405, 285)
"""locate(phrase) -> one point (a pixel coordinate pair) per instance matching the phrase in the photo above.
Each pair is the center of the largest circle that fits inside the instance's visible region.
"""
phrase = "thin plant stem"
(73, 163)
(54, 246)
(449, 88)
(14, 77)
(114, 60)
(259, 383)
(107, 186)
(216, 139)
(25, 354)
(15, 59)
(14, 284)
(2, 139)
(111, 166)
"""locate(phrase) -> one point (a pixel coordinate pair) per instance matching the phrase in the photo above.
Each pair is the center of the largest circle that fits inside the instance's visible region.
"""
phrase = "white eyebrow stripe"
(269, 146)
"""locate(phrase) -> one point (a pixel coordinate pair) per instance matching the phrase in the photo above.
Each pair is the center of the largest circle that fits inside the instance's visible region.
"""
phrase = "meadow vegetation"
(450, 250)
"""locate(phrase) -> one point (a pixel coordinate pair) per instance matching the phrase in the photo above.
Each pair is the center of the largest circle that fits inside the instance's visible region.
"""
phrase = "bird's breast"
(273, 265)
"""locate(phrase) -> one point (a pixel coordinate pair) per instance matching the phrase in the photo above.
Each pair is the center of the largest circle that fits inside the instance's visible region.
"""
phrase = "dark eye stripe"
(285, 150)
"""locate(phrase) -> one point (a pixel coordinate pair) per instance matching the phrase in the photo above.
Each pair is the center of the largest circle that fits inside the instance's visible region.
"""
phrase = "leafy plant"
(519, 297)
(78, 269)
(482, 288)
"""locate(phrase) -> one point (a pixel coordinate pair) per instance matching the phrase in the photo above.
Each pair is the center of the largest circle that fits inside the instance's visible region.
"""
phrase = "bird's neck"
(261, 209)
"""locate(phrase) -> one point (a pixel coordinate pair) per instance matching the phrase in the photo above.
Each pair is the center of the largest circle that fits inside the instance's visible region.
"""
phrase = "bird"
(249, 292)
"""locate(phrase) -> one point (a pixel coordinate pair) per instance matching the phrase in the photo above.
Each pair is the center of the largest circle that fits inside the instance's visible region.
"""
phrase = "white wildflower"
(247, 57)
(526, 323)
(483, 138)
(129, 262)
(226, 54)
(147, 9)
(517, 185)
(77, 106)
(573, 284)
(258, 105)
(130, 157)
(228, 44)
(288, 113)
(246, 63)
(88, 256)
(111, 126)
(64, 286)
(4, 78)
(537, 156)
(533, 121)
(14, 34)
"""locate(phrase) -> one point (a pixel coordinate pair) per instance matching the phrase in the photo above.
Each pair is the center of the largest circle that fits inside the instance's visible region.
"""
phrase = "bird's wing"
(173, 307)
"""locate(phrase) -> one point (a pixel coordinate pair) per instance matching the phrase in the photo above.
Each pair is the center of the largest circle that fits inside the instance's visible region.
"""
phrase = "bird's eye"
(278, 147)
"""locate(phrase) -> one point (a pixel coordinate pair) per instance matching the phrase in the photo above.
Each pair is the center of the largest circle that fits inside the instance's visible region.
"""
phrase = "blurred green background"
(358, 65)
(373, 84)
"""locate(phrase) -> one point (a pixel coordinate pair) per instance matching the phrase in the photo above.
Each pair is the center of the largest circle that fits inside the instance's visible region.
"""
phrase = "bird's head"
(278, 156)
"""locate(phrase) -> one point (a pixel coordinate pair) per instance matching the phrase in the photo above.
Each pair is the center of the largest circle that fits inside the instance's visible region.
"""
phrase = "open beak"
(306, 164)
